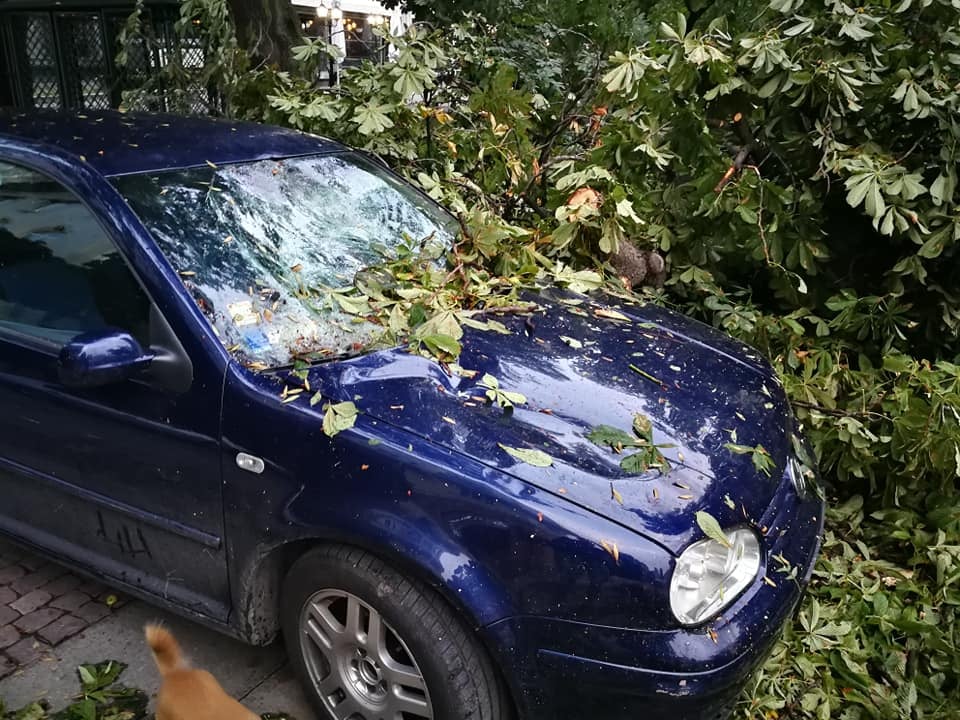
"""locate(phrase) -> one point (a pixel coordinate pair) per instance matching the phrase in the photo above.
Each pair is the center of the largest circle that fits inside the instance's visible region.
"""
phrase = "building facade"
(61, 54)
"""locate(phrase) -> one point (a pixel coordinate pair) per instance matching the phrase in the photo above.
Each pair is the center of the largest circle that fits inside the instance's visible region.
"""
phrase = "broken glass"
(262, 245)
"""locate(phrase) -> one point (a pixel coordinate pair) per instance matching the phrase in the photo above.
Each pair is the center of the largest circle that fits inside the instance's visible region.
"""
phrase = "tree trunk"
(266, 29)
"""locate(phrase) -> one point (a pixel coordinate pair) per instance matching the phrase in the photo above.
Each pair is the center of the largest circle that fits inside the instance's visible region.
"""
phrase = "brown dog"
(188, 694)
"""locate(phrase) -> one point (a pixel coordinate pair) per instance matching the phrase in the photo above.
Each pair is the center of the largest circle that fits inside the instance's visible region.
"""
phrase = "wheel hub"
(365, 677)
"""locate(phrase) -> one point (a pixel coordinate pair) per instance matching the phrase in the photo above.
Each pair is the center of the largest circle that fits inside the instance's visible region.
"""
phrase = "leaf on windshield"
(711, 528)
(581, 281)
(339, 417)
(537, 458)
(352, 305)
(438, 345)
(489, 325)
(443, 323)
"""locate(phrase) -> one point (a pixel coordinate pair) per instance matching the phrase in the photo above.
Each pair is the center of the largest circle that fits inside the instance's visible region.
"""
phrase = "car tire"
(370, 643)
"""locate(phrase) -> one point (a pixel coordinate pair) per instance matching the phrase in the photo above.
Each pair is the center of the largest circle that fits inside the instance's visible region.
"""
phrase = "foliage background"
(796, 165)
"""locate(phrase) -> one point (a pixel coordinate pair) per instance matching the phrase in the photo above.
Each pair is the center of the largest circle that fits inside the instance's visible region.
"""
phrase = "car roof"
(116, 143)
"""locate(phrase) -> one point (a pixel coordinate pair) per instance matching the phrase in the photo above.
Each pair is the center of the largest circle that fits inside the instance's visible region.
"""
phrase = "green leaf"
(87, 677)
(858, 186)
(939, 190)
(635, 464)
(441, 344)
(339, 417)
(873, 203)
(489, 381)
(33, 711)
(537, 458)
(443, 323)
(514, 398)
(372, 118)
(85, 709)
(711, 528)
(607, 436)
(625, 209)
(500, 397)
(897, 362)
(410, 82)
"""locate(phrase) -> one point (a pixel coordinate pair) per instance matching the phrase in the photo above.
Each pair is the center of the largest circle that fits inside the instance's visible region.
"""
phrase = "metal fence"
(54, 58)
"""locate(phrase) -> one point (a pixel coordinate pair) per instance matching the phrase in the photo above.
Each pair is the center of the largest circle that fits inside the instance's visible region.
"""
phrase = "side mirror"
(101, 358)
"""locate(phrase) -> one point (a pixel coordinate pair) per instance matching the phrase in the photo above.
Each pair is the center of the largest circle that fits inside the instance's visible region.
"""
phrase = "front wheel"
(372, 644)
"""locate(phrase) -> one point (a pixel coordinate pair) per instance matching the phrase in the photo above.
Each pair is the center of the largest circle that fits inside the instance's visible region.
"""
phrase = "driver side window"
(60, 274)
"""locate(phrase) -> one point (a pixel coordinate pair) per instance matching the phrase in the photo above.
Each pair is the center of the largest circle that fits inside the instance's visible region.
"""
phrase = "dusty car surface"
(627, 542)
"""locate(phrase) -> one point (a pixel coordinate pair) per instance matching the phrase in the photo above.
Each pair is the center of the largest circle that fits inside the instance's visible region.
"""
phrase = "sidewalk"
(44, 664)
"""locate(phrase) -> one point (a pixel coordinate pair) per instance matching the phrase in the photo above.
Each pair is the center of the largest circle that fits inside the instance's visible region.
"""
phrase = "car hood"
(579, 366)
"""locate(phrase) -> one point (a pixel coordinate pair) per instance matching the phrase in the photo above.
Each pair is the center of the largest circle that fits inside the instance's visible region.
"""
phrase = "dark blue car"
(442, 558)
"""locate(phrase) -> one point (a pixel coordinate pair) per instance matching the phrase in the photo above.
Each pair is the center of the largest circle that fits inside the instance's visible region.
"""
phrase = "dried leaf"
(610, 314)
(537, 458)
(615, 494)
(611, 547)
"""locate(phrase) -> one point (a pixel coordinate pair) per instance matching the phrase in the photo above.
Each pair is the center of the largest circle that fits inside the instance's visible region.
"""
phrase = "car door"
(124, 478)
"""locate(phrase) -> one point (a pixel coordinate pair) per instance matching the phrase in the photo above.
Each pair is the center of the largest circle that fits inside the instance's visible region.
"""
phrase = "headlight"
(709, 576)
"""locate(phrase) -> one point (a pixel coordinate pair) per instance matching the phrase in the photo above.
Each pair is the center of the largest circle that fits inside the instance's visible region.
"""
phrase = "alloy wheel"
(359, 666)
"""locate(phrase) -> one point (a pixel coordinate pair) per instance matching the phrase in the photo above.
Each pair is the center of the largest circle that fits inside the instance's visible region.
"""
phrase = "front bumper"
(562, 670)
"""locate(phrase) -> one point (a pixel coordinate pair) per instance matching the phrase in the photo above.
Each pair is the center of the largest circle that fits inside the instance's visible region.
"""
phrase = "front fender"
(492, 544)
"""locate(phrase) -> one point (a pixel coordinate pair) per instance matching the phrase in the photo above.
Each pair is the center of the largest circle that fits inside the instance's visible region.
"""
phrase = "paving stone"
(7, 596)
(11, 574)
(91, 588)
(26, 651)
(7, 615)
(62, 585)
(37, 578)
(11, 554)
(31, 601)
(70, 602)
(92, 611)
(33, 562)
(62, 628)
(7, 666)
(32, 622)
(8, 636)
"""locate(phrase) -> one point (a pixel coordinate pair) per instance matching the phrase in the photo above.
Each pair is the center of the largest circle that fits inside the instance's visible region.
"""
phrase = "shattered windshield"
(261, 245)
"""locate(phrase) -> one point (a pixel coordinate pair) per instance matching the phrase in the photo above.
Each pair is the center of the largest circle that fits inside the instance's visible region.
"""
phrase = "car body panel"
(492, 543)
(120, 143)
(709, 395)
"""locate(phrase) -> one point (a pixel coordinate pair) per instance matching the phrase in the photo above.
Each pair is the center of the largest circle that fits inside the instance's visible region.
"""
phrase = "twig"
(738, 163)
(502, 310)
(833, 412)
